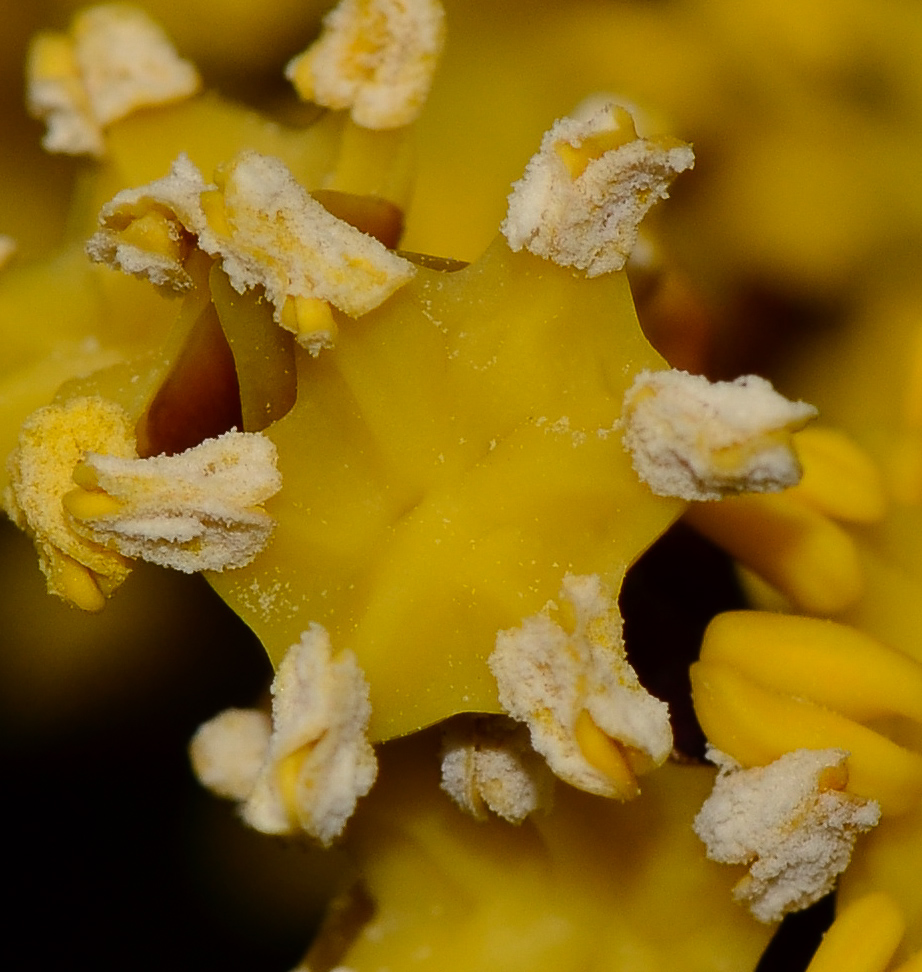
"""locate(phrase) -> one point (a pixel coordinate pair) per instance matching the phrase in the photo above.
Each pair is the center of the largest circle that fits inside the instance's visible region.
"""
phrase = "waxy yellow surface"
(446, 463)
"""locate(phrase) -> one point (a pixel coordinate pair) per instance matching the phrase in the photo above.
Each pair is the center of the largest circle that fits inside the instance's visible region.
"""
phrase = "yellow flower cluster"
(392, 354)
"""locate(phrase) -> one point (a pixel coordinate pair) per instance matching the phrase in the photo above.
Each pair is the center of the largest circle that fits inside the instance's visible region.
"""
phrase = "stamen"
(699, 440)
(228, 752)
(569, 680)
(196, 510)
(488, 764)
(319, 761)
(267, 231)
(52, 441)
(585, 192)
(786, 823)
(374, 57)
(114, 61)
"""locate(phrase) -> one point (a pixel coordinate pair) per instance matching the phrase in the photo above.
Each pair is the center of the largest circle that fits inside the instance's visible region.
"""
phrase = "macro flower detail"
(585, 192)
(790, 822)
(114, 61)
(702, 440)
(374, 57)
(198, 510)
(488, 764)
(564, 673)
(442, 465)
(318, 761)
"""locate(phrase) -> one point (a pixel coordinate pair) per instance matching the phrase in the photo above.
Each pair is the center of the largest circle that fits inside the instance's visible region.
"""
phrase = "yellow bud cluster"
(767, 684)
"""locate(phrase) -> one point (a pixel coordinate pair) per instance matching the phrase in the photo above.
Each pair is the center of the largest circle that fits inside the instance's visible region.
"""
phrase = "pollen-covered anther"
(269, 232)
(319, 761)
(701, 440)
(266, 230)
(149, 231)
(228, 752)
(790, 822)
(565, 674)
(488, 764)
(113, 61)
(375, 57)
(52, 442)
(585, 192)
(198, 510)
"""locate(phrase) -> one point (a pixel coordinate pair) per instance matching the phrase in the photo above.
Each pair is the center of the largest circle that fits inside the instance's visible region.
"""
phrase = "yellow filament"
(863, 937)
(757, 726)
(78, 584)
(308, 317)
(605, 755)
(801, 553)
(86, 504)
(287, 778)
(153, 232)
(840, 479)
(832, 664)
(212, 201)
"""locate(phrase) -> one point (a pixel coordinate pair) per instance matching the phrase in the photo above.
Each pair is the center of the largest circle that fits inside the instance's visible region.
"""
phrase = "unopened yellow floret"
(769, 684)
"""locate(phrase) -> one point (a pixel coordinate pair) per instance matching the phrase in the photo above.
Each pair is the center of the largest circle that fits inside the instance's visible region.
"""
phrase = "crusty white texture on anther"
(701, 440)
(114, 61)
(228, 751)
(197, 510)
(264, 227)
(375, 57)
(587, 216)
(489, 764)
(790, 822)
(319, 761)
(552, 669)
(283, 239)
